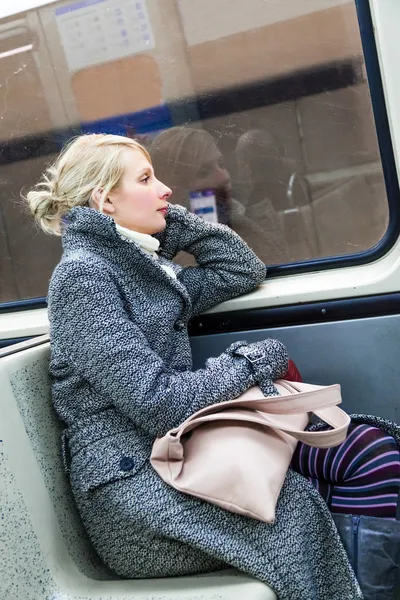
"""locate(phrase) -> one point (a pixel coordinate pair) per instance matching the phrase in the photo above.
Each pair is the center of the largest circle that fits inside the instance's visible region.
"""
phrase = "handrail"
(20, 346)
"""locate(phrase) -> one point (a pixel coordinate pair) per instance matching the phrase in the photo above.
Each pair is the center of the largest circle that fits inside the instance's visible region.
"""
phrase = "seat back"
(45, 551)
(30, 437)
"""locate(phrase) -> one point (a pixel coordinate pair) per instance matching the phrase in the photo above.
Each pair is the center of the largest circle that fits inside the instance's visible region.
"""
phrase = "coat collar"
(87, 228)
(89, 221)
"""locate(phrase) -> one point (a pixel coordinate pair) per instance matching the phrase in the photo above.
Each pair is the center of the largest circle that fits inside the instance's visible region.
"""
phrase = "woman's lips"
(163, 210)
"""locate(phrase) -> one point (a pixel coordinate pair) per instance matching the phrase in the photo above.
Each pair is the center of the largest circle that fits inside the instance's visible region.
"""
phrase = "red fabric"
(293, 373)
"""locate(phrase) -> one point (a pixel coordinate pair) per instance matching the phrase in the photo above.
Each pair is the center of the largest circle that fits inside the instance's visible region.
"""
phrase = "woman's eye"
(145, 179)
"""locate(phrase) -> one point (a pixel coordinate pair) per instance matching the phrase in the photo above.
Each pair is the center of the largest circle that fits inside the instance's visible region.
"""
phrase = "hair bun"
(44, 204)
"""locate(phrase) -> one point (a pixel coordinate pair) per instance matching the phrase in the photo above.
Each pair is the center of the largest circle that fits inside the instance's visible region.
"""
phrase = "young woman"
(122, 375)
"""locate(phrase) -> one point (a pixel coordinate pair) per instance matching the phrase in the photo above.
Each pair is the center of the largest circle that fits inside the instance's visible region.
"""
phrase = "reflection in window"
(189, 160)
(260, 112)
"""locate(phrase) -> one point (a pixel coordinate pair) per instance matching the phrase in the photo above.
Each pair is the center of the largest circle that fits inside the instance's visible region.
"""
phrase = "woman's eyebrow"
(145, 170)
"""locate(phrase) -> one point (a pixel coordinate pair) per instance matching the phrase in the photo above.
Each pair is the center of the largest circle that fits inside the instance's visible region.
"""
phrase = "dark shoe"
(373, 548)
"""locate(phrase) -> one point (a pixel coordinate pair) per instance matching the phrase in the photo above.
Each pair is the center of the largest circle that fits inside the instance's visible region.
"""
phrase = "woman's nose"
(164, 191)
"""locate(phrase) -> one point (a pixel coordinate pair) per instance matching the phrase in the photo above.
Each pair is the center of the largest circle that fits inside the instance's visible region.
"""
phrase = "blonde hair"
(87, 162)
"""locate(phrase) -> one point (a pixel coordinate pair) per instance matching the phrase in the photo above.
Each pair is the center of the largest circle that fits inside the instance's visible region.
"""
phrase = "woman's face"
(140, 201)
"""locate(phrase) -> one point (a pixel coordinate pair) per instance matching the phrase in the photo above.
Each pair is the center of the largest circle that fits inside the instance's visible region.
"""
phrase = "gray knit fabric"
(122, 374)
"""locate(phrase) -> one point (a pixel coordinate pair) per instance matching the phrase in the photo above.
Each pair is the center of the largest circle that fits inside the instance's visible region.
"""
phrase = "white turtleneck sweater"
(147, 243)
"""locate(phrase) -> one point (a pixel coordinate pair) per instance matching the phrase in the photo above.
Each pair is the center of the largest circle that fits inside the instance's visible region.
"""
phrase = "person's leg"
(360, 481)
(359, 477)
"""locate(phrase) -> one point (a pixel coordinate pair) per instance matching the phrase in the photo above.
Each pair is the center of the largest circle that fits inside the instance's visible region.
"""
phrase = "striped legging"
(359, 477)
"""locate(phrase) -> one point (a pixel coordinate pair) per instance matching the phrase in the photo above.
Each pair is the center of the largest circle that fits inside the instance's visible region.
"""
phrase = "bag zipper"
(356, 523)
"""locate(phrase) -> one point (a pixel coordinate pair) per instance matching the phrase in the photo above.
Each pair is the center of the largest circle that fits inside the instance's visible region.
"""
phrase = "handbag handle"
(315, 398)
(322, 401)
(338, 419)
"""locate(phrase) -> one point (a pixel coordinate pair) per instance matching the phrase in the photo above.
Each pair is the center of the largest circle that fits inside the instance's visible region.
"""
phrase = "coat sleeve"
(227, 267)
(90, 326)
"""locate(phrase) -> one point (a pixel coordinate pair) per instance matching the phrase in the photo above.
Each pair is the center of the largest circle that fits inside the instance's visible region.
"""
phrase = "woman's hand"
(269, 361)
(227, 267)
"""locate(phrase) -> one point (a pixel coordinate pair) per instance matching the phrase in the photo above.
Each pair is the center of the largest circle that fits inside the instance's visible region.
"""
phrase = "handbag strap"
(334, 416)
(301, 398)
(296, 402)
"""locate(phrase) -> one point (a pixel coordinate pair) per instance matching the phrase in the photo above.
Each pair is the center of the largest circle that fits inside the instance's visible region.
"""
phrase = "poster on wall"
(93, 32)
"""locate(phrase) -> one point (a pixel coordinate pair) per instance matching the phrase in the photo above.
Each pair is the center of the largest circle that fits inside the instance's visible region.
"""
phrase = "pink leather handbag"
(236, 454)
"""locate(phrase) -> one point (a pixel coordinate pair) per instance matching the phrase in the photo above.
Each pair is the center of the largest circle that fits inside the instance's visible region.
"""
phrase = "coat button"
(126, 463)
(179, 325)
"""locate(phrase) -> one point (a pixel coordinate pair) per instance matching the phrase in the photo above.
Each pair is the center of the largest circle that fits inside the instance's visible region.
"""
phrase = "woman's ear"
(107, 205)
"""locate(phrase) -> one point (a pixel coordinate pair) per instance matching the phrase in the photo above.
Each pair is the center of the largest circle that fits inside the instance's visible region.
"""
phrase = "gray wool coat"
(122, 375)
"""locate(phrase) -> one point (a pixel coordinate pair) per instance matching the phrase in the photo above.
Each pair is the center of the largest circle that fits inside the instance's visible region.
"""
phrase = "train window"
(257, 114)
